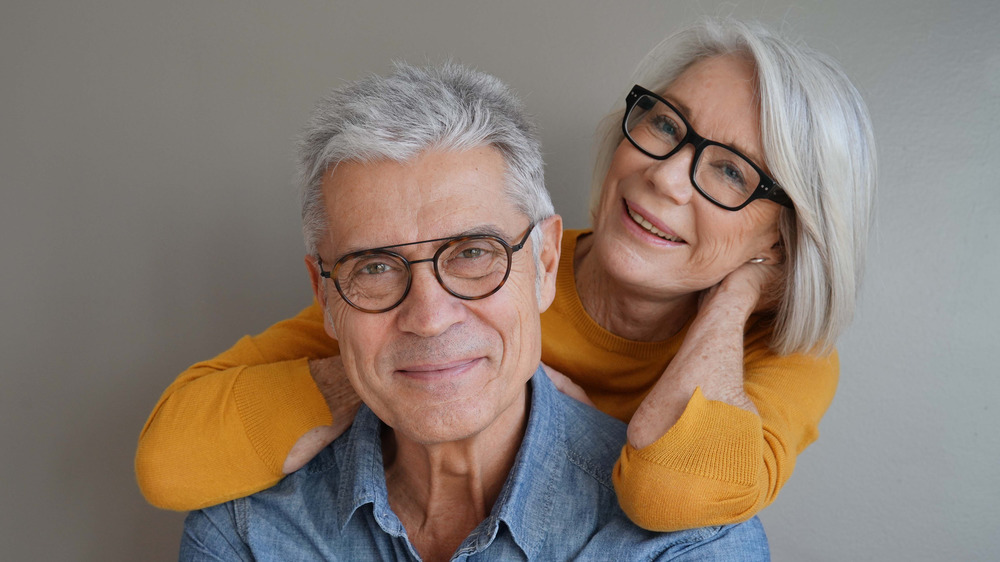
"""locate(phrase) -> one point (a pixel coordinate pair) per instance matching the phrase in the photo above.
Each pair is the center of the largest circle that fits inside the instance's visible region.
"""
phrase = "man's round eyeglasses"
(719, 172)
(469, 267)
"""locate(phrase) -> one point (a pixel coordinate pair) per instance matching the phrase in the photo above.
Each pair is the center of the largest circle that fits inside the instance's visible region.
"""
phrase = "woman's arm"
(721, 464)
(225, 427)
(718, 434)
(710, 358)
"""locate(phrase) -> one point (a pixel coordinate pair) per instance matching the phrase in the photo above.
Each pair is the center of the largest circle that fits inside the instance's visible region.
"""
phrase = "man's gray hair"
(818, 145)
(396, 117)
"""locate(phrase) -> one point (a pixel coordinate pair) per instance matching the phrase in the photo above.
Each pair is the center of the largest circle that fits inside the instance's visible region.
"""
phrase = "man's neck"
(441, 491)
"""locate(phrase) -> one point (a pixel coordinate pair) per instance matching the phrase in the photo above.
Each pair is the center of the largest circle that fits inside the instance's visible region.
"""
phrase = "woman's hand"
(566, 386)
(711, 356)
(331, 379)
(751, 287)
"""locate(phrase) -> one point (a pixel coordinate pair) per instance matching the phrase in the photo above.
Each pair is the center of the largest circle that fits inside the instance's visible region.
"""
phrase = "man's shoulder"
(591, 439)
(317, 482)
(594, 439)
(592, 442)
(623, 540)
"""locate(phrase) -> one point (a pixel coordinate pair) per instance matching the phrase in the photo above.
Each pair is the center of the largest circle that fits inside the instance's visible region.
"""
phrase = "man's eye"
(374, 268)
(471, 253)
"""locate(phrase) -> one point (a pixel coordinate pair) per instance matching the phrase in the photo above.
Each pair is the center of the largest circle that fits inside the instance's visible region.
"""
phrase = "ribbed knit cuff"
(711, 439)
(278, 403)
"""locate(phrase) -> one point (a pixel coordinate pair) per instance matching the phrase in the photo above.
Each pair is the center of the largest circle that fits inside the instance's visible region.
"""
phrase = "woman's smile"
(652, 225)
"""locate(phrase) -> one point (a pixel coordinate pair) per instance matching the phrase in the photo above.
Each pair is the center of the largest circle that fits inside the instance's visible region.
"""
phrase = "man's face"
(436, 368)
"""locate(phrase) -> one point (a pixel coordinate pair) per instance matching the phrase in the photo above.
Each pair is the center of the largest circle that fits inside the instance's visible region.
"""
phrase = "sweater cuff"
(278, 403)
(711, 439)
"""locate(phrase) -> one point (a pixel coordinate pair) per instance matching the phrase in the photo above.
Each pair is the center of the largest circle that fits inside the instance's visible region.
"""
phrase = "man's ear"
(320, 292)
(551, 249)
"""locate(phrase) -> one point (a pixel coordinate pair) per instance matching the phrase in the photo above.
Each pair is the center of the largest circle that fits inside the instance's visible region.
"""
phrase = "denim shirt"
(557, 504)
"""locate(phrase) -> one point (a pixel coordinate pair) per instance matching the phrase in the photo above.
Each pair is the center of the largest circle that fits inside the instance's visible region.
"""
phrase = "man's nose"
(672, 177)
(428, 310)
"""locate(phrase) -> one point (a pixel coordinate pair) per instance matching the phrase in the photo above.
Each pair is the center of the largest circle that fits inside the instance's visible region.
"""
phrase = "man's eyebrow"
(488, 229)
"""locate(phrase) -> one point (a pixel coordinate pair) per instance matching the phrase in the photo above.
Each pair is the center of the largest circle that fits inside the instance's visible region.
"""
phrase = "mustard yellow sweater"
(223, 429)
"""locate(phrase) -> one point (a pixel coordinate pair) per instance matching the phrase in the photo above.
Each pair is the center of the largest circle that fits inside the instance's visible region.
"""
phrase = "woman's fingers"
(566, 386)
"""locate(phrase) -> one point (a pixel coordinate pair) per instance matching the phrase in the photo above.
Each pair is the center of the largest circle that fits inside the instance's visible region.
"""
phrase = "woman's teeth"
(649, 226)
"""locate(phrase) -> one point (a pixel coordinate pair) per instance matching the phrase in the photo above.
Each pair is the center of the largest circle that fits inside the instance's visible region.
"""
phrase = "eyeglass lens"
(472, 267)
(719, 173)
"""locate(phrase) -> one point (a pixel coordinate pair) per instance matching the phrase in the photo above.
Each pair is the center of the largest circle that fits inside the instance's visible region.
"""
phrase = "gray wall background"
(147, 220)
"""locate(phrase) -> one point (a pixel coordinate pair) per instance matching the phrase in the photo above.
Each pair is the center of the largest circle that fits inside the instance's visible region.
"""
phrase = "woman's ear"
(770, 256)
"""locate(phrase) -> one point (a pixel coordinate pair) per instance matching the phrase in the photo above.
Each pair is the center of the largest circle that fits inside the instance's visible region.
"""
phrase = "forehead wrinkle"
(710, 133)
(437, 227)
(750, 112)
(435, 195)
(413, 247)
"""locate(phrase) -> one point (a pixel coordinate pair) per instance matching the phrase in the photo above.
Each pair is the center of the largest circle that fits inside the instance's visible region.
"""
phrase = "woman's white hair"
(396, 117)
(818, 145)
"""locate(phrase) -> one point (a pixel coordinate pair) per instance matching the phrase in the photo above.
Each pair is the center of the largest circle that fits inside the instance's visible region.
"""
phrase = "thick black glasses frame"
(449, 241)
(767, 188)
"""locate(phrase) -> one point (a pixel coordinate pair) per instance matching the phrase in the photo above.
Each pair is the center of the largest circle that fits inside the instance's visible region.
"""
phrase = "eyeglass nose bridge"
(697, 141)
(437, 275)
(698, 144)
(509, 250)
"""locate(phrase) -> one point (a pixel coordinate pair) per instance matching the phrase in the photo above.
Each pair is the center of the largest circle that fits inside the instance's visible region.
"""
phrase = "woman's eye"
(734, 174)
(665, 126)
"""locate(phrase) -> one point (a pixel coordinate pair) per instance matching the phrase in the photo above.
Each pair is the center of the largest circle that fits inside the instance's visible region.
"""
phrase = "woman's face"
(653, 230)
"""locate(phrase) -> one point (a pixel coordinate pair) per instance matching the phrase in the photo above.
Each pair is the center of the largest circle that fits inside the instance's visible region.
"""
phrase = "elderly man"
(432, 247)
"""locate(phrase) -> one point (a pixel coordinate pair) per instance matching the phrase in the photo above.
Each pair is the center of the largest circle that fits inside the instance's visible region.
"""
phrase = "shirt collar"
(524, 504)
(362, 474)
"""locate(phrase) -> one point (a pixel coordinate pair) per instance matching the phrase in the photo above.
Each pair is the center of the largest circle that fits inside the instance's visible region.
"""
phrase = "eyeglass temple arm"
(325, 274)
(778, 195)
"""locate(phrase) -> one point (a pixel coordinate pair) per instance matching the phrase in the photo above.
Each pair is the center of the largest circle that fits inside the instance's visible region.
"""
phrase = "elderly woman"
(732, 201)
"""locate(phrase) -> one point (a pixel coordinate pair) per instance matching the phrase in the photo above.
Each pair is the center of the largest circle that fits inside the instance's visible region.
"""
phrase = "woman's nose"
(672, 177)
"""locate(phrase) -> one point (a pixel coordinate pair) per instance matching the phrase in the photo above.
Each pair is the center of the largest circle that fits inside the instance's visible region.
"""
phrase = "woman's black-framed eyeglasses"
(469, 267)
(719, 172)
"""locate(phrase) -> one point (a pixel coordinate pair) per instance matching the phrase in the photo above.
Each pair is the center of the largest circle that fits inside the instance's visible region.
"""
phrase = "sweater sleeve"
(223, 428)
(720, 464)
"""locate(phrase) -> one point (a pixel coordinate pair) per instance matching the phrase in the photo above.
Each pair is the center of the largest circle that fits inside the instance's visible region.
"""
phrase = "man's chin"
(444, 423)
(478, 414)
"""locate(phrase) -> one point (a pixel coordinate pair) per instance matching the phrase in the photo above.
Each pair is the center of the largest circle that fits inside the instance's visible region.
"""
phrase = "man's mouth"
(648, 226)
(437, 370)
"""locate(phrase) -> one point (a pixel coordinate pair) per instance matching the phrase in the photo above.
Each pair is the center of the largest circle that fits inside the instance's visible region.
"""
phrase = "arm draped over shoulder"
(721, 464)
(224, 427)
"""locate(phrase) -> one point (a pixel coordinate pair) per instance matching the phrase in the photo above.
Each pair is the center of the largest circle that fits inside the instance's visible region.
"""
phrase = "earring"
(758, 260)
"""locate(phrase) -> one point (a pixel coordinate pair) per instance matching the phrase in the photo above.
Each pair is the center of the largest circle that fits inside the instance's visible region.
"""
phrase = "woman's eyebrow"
(686, 111)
